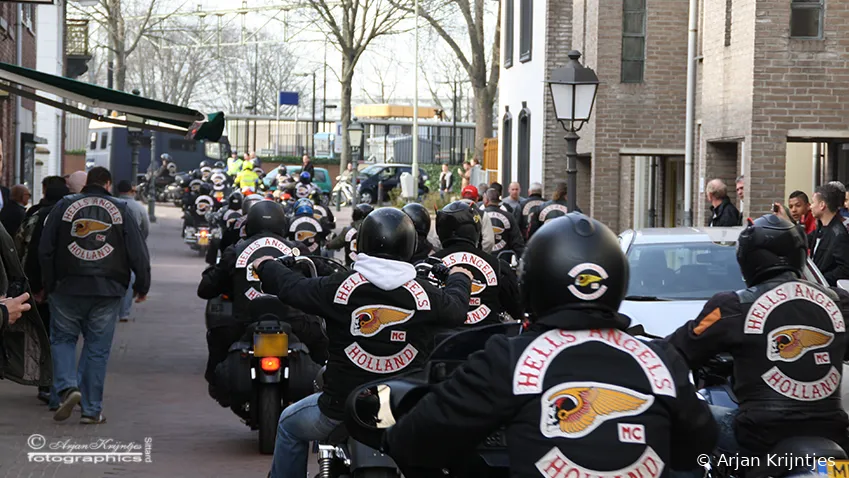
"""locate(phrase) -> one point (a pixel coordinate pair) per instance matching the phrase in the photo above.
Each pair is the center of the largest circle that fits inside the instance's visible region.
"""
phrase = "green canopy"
(194, 122)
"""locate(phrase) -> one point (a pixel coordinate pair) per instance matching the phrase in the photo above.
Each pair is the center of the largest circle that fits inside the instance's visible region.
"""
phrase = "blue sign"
(287, 98)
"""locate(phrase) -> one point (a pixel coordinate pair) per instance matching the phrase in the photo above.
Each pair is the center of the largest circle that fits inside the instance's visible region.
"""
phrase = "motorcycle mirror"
(377, 406)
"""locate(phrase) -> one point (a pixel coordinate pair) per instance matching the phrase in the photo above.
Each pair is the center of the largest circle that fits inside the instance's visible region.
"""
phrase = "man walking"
(446, 181)
(829, 243)
(308, 167)
(514, 199)
(127, 192)
(89, 246)
(15, 210)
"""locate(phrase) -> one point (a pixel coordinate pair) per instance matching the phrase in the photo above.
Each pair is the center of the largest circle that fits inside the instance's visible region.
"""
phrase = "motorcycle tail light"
(270, 364)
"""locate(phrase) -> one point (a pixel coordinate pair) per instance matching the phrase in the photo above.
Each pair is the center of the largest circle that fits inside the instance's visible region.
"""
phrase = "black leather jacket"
(373, 333)
(578, 397)
(788, 341)
(832, 254)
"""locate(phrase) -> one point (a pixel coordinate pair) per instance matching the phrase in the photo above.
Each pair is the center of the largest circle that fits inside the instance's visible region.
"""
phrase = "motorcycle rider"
(421, 219)
(234, 277)
(189, 206)
(507, 234)
(526, 206)
(247, 178)
(321, 211)
(224, 220)
(205, 170)
(219, 167)
(787, 338)
(304, 188)
(236, 223)
(558, 206)
(494, 288)
(347, 239)
(381, 320)
(306, 228)
(576, 394)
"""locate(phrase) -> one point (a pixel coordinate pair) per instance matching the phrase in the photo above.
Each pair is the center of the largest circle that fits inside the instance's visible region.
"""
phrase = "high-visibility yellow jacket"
(246, 179)
(234, 167)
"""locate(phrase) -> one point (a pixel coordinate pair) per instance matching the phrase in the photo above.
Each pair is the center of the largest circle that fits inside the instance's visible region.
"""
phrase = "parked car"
(390, 175)
(673, 273)
(321, 179)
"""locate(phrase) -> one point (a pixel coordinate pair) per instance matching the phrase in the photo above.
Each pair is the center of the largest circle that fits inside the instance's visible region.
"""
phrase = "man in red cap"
(487, 235)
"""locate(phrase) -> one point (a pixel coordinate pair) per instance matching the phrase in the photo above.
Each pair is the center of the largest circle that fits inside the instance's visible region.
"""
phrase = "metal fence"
(76, 132)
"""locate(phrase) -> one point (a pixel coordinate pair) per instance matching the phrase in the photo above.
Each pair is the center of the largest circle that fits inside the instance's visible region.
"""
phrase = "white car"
(674, 271)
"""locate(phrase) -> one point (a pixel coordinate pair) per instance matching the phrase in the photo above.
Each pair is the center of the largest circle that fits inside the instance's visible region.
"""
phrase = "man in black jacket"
(787, 338)
(234, 277)
(89, 245)
(347, 239)
(576, 394)
(494, 288)
(725, 214)
(829, 243)
(527, 205)
(558, 206)
(381, 320)
(507, 234)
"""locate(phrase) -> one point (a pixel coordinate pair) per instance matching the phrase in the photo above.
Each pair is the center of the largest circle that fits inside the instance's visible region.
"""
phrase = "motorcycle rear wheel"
(376, 473)
(268, 415)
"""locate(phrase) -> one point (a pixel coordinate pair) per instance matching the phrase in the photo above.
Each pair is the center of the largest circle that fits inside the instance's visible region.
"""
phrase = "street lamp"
(314, 124)
(573, 90)
(134, 134)
(355, 139)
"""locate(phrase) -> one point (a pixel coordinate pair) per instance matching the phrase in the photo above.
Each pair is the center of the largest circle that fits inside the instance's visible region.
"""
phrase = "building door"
(507, 149)
(673, 198)
(524, 149)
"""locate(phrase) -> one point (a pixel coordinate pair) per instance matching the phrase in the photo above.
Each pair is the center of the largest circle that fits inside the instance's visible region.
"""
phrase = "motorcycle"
(377, 406)
(266, 369)
(198, 238)
(342, 194)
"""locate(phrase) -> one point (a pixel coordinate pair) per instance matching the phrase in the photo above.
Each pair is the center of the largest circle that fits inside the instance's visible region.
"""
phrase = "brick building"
(769, 104)
(15, 121)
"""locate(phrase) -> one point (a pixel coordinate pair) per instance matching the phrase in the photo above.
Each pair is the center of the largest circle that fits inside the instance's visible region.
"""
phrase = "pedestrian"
(76, 181)
(465, 174)
(89, 245)
(487, 234)
(724, 213)
(482, 187)
(255, 159)
(514, 198)
(829, 243)
(307, 165)
(127, 192)
(800, 211)
(477, 174)
(15, 210)
(741, 190)
(446, 181)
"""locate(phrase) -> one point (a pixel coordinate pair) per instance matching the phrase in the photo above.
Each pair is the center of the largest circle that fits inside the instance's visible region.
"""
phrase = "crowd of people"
(82, 253)
(823, 217)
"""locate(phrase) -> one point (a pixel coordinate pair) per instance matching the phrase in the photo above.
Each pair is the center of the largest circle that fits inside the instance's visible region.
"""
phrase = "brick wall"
(646, 115)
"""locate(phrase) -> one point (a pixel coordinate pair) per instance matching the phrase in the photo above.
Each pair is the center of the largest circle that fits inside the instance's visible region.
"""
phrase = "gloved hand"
(440, 271)
(288, 261)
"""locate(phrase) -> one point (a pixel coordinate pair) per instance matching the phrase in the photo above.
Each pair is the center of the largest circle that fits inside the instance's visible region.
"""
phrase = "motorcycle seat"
(797, 447)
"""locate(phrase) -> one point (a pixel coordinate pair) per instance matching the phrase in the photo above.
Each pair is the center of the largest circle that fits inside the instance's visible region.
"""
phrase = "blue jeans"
(726, 442)
(127, 303)
(94, 318)
(300, 423)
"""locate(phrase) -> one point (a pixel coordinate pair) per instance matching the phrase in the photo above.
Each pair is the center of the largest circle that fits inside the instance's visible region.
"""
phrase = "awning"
(196, 124)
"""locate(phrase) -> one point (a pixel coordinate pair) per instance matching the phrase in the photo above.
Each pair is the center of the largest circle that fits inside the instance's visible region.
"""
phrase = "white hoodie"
(385, 274)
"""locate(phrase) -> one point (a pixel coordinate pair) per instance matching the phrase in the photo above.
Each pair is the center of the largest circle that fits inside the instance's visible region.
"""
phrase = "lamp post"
(355, 139)
(314, 124)
(573, 90)
(134, 134)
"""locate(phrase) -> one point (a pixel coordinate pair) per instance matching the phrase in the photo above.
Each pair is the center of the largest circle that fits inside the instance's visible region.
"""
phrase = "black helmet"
(205, 164)
(420, 217)
(195, 185)
(219, 165)
(361, 211)
(235, 200)
(250, 201)
(205, 188)
(459, 221)
(573, 261)
(768, 246)
(266, 216)
(387, 233)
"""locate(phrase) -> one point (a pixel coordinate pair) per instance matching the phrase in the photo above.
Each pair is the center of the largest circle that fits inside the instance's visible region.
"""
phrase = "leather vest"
(527, 205)
(484, 304)
(552, 209)
(308, 230)
(501, 226)
(350, 246)
(91, 239)
(246, 284)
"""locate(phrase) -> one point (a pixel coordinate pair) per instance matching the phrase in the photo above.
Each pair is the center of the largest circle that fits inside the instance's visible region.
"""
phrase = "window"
(509, 21)
(104, 139)
(507, 147)
(92, 141)
(728, 8)
(633, 41)
(320, 177)
(387, 173)
(806, 18)
(526, 30)
(524, 145)
(176, 144)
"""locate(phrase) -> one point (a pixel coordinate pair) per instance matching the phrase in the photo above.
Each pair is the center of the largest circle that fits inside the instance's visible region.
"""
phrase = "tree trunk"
(347, 79)
(483, 120)
(120, 49)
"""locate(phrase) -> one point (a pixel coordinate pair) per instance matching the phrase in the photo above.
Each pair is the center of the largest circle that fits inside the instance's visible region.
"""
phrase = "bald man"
(76, 181)
(724, 213)
(514, 199)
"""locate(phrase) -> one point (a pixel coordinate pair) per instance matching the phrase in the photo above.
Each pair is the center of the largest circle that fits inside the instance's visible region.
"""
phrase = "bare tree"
(383, 81)
(122, 39)
(441, 15)
(351, 25)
